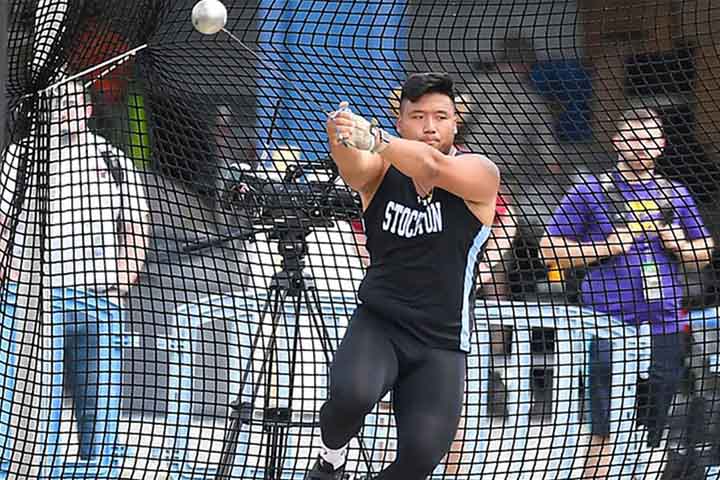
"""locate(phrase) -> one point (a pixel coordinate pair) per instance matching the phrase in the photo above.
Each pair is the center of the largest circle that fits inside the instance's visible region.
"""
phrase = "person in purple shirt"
(631, 228)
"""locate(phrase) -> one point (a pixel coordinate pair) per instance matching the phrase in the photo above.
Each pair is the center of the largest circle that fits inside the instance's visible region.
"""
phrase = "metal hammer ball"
(209, 16)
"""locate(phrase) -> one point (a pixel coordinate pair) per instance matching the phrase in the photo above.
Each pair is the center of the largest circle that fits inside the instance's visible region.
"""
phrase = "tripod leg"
(231, 436)
(297, 309)
(273, 470)
(229, 446)
(312, 301)
(281, 417)
(274, 301)
(274, 309)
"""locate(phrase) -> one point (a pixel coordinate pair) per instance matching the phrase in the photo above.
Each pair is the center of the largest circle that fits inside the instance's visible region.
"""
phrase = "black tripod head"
(291, 236)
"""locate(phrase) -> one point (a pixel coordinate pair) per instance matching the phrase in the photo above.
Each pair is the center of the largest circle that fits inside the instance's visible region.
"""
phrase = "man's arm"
(361, 170)
(694, 253)
(699, 251)
(135, 228)
(471, 177)
(687, 237)
(132, 252)
(500, 241)
(565, 245)
(565, 253)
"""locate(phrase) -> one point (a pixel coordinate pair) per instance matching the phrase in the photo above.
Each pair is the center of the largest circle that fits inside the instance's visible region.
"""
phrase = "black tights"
(427, 387)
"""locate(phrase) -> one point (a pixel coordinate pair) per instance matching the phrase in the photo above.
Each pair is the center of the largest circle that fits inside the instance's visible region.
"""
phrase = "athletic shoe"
(323, 470)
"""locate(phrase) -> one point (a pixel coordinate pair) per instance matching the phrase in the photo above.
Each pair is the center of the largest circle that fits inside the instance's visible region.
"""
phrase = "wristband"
(382, 140)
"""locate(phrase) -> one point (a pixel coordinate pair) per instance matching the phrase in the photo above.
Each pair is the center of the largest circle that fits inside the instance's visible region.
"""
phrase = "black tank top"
(423, 261)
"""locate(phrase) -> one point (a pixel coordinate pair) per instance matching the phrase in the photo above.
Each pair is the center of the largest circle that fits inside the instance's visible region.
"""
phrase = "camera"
(291, 202)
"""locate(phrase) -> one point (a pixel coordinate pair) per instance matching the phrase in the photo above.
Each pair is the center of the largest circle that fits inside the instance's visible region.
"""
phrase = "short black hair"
(419, 84)
(639, 115)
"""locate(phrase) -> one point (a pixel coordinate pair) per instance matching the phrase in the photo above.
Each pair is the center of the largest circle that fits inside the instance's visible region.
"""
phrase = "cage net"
(181, 256)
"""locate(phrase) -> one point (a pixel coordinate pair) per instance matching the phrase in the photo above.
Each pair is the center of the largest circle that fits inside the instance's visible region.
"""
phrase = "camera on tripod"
(291, 207)
(290, 313)
(286, 204)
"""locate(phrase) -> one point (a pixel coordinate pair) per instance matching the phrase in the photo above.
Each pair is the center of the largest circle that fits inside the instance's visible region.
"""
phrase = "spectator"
(631, 227)
(360, 239)
(94, 248)
(493, 285)
(491, 269)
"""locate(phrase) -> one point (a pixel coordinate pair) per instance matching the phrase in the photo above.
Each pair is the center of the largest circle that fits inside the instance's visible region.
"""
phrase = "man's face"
(431, 119)
(640, 144)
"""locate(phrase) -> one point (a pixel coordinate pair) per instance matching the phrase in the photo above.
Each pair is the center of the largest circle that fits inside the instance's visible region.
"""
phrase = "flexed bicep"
(473, 178)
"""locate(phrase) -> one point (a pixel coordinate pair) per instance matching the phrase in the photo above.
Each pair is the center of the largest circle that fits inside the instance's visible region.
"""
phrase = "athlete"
(427, 214)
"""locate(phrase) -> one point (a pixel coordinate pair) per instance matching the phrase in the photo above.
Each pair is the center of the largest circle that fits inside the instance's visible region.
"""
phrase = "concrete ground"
(148, 457)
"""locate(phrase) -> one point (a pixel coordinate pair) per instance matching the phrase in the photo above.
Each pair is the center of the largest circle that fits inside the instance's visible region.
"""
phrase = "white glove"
(363, 135)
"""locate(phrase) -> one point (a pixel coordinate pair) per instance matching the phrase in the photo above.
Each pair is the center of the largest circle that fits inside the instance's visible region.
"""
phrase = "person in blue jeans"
(86, 222)
(631, 228)
(8, 371)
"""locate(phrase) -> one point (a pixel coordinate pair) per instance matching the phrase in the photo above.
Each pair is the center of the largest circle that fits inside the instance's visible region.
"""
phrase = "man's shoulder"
(673, 190)
(94, 140)
(591, 184)
(100, 143)
(665, 183)
(465, 153)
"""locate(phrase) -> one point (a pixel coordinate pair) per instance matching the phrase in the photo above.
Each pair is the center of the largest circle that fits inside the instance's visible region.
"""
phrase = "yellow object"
(643, 211)
(556, 275)
(644, 206)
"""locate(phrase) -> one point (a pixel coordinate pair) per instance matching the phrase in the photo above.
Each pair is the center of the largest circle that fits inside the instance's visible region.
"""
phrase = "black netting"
(183, 242)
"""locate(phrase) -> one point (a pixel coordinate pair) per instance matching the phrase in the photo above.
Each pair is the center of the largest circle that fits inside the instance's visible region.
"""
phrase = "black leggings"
(427, 386)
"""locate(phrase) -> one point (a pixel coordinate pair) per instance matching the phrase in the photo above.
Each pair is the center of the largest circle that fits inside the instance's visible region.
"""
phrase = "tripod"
(289, 281)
